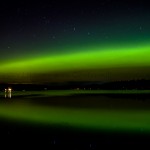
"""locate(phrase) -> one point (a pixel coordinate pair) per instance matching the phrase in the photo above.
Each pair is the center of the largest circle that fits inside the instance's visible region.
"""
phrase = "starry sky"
(63, 41)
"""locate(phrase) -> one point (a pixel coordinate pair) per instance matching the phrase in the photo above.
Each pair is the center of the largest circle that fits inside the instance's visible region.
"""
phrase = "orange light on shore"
(9, 89)
(8, 92)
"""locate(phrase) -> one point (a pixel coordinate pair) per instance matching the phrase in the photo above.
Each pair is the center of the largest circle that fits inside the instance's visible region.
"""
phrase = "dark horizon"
(81, 85)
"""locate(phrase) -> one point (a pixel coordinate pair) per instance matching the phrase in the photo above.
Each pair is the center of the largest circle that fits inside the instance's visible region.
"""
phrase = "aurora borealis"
(58, 42)
(94, 61)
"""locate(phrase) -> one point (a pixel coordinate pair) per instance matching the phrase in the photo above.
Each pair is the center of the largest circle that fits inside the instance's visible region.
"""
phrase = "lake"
(86, 119)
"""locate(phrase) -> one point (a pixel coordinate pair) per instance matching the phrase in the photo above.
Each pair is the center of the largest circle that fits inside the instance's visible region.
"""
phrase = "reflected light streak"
(8, 93)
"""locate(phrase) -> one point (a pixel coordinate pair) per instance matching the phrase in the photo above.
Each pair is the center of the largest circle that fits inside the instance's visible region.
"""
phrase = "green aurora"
(87, 64)
(101, 41)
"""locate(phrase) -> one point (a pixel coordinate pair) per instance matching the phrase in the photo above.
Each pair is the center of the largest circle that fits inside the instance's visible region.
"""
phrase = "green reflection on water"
(99, 119)
(21, 109)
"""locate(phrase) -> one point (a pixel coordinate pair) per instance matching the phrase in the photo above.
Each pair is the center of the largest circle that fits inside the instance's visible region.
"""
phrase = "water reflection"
(8, 93)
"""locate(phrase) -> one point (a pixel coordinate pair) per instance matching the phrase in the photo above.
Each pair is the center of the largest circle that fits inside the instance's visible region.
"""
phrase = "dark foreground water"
(73, 120)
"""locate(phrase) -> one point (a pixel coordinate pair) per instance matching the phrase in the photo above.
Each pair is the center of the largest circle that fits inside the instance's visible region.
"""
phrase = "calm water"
(67, 118)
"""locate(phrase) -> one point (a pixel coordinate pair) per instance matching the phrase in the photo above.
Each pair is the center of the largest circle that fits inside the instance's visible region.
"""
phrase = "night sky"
(74, 41)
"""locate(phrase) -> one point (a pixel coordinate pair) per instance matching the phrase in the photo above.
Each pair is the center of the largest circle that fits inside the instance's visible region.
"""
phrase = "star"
(54, 142)
(54, 37)
(106, 37)
(34, 35)
(90, 145)
(140, 28)
(47, 21)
